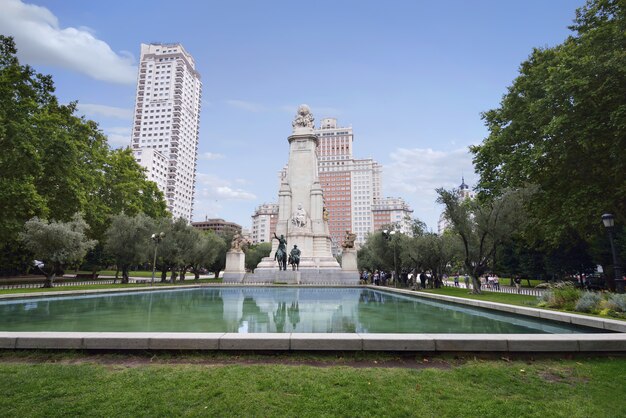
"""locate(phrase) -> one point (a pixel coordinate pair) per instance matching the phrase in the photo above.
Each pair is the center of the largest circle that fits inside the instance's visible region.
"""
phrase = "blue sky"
(410, 77)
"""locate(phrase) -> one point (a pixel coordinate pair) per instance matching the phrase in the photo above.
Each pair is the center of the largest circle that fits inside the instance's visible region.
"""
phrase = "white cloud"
(245, 105)
(41, 40)
(415, 173)
(119, 137)
(216, 188)
(210, 156)
(90, 109)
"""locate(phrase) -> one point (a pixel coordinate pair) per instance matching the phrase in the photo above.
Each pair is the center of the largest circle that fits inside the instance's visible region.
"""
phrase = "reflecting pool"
(263, 309)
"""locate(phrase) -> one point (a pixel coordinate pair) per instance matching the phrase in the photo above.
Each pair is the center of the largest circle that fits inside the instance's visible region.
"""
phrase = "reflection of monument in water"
(287, 309)
(301, 220)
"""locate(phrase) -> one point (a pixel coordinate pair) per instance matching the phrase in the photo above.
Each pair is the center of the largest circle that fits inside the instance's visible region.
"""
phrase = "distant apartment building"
(166, 123)
(351, 186)
(264, 223)
(219, 226)
(393, 212)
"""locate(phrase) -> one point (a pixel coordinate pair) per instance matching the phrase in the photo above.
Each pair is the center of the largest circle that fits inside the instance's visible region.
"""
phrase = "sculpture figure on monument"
(325, 214)
(238, 242)
(348, 241)
(294, 258)
(281, 252)
(304, 118)
(299, 217)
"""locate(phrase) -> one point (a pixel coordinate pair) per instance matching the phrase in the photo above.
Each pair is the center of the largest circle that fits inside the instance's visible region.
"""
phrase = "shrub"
(588, 302)
(617, 302)
(562, 295)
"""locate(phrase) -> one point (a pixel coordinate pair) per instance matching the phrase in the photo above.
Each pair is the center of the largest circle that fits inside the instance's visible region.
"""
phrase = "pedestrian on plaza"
(423, 280)
(456, 280)
(467, 280)
(518, 283)
(496, 282)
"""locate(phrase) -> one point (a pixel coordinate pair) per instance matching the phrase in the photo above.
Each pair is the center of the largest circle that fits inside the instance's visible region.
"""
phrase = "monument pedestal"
(348, 260)
(235, 269)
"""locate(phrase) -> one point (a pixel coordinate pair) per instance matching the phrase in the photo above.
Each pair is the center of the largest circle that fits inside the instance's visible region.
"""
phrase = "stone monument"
(301, 215)
(235, 269)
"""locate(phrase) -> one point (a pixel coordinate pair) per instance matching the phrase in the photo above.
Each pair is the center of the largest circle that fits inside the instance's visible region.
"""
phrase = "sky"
(411, 78)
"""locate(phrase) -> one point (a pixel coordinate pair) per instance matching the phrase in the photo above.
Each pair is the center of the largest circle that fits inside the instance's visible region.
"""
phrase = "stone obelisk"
(301, 218)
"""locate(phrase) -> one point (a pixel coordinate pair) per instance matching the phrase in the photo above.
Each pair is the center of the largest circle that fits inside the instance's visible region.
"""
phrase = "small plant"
(617, 302)
(589, 302)
(562, 295)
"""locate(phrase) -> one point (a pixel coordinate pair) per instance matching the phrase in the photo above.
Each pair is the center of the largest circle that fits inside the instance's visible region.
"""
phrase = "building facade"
(166, 123)
(351, 186)
(264, 223)
(219, 226)
(393, 212)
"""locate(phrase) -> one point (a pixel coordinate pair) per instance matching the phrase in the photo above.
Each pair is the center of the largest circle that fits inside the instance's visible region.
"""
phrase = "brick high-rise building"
(351, 186)
(393, 212)
(166, 123)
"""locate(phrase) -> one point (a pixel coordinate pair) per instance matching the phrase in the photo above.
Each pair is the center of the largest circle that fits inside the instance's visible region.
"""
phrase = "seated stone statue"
(348, 241)
(238, 242)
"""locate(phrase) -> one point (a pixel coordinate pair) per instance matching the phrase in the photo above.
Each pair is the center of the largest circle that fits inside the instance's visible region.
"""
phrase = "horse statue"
(294, 258)
(281, 253)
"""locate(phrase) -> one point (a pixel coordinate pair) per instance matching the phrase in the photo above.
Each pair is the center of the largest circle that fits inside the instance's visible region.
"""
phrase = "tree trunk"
(125, 279)
(183, 271)
(173, 276)
(49, 280)
(163, 275)
(476, 284)
(196, 274)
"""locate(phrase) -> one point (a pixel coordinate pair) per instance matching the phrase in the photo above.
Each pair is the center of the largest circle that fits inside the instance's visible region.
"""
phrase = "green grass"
(105, 286)
(510, 298)
(230, 386)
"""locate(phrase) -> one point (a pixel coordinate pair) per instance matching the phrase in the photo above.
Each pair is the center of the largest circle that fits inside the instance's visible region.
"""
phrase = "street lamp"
(157, 238)
(609, 223)
(389, 236)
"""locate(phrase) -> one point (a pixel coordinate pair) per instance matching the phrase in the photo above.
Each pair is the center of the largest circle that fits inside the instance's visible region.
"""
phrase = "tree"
(56, 244)
(482, 226)
(127, 241)
(205, 252)
(54, 164)
(562, 126)
(256, 252)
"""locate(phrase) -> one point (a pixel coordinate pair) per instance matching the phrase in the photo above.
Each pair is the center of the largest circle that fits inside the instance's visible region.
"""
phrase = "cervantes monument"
(301, 218)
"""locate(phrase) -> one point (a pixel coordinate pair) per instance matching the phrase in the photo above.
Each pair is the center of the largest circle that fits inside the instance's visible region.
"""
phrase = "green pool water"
(263, 309)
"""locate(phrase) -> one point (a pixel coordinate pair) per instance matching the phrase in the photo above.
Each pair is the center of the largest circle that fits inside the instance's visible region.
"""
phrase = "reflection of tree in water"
(280, 316)
(294, 314)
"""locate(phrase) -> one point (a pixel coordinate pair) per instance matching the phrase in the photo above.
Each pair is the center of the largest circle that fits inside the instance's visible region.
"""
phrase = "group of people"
(383, 278)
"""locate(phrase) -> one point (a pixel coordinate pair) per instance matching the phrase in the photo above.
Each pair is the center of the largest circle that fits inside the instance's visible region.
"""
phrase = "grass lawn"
(510, 298)
(105, 286)
(296, 385)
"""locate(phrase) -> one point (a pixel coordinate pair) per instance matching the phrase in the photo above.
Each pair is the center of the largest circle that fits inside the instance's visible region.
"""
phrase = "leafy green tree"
(562, 126)
(256, 252)
(54, 164)
(483, 226)
(56, 244)
(127, 241)
(205, 252)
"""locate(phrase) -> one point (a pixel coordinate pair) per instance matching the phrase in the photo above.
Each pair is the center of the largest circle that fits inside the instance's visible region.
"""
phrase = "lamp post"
(609, 223)
(389, 236)
(157, 238)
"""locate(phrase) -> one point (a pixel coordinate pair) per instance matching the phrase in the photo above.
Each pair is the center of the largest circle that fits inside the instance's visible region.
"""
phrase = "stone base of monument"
(348, 260)
(308, 276)
(235, 270)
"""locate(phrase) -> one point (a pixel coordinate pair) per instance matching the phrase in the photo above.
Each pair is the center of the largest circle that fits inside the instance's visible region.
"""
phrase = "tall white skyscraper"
(166, 123)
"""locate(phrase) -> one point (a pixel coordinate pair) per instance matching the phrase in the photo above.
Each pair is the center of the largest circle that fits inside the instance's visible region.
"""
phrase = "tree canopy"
(54, 164)
(562, 127)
